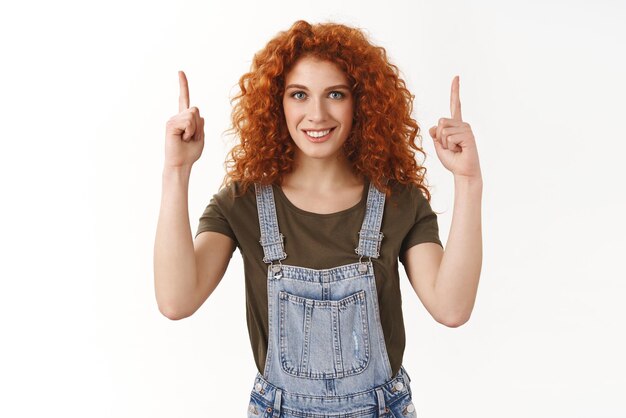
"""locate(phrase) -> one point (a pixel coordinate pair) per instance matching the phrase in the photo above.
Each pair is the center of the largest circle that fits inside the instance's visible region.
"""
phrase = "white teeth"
(317, 134)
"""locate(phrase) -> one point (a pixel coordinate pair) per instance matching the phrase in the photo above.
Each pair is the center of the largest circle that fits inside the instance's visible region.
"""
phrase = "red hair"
(382, 141)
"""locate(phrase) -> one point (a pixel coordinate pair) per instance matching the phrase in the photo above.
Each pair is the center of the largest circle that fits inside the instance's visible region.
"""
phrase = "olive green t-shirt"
(321, 241)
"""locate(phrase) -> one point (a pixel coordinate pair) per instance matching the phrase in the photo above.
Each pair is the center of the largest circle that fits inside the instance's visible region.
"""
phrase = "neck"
(321, 174)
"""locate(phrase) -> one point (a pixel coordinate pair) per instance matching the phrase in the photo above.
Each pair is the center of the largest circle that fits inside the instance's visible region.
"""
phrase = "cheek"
(348, 118)
(348, 113)
(290, 115)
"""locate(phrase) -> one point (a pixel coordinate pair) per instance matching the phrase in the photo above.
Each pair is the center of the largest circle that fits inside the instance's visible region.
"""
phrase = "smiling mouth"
(315, 137)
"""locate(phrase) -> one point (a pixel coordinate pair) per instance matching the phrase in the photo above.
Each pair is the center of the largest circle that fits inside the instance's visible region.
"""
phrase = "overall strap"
(370, 236)
(271, 238)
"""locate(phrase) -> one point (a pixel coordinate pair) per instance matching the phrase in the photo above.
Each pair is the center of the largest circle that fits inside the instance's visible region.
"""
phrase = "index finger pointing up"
(455, 101)
(183, 98)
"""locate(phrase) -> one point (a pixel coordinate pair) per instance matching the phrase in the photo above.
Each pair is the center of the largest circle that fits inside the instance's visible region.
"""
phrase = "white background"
(86, 89)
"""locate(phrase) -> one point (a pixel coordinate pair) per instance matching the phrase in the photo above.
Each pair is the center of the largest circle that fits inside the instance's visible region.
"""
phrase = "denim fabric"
(392, 399)
(326, 352)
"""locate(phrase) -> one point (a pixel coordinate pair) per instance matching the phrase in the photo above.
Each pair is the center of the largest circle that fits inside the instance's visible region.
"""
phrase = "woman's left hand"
(454, 140)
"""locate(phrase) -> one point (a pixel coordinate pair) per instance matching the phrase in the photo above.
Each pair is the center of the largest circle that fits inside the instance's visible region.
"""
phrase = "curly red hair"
(382, 141)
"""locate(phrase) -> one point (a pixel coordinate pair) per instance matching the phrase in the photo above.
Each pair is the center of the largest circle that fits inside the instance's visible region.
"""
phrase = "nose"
(316, 111)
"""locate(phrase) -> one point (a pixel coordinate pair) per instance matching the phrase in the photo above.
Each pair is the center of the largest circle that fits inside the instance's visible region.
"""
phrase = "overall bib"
(326, 354)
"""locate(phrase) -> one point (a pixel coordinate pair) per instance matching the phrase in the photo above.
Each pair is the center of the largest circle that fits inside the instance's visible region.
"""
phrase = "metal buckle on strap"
(276, 270)
(362, 266)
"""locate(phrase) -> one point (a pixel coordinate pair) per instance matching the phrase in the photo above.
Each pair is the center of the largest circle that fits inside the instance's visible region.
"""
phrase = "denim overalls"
(326, 354)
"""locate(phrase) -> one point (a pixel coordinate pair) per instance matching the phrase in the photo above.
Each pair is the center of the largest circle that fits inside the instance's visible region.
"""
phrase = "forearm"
(175, 277)
(457, 281)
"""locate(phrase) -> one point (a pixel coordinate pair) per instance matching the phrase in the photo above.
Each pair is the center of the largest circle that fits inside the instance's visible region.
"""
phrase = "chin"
(318, 154)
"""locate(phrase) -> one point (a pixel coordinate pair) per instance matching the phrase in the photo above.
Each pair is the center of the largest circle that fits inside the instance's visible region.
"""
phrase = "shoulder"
(233, 198)
(407, 194)
(232, 192)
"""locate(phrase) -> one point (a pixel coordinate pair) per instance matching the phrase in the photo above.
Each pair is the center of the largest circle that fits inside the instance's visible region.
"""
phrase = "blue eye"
(341, 95)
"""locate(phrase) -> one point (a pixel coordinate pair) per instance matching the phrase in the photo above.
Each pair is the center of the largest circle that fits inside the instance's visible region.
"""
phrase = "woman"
(322, 196)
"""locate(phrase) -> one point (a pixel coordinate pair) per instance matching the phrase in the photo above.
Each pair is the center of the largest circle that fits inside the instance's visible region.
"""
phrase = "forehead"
(311, 70)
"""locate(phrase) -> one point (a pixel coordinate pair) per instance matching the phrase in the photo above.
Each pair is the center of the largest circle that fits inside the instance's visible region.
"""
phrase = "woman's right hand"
(184, 132)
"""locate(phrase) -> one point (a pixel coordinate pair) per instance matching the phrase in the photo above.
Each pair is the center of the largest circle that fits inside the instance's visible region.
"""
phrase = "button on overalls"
(326, 354)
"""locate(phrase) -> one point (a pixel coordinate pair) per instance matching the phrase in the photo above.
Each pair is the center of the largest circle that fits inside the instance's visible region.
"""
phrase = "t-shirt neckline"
(278, 191)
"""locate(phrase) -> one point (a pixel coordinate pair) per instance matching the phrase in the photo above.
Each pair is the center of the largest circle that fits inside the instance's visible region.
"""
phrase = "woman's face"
(317, 98)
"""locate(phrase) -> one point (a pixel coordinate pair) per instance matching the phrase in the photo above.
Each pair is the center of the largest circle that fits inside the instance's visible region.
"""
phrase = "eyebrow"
(300, 86)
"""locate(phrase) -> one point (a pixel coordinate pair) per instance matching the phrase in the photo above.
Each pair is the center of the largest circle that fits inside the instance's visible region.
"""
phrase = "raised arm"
(447, 281)
(185, 273)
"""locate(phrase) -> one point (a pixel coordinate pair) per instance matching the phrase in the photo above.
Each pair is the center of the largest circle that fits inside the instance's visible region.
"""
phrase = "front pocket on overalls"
(322, 339)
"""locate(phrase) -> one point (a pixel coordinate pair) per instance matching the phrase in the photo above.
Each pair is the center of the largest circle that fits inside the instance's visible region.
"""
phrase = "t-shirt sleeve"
(425, 227)
(214, 218)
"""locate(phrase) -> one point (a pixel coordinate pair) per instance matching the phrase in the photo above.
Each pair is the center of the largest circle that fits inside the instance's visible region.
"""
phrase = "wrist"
(469, 181)
(181, 170)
